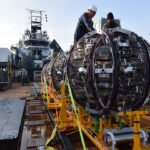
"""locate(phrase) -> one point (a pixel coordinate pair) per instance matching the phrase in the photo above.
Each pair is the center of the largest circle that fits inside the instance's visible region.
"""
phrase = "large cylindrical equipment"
(54, 71)
(92, 72)
(108, 71)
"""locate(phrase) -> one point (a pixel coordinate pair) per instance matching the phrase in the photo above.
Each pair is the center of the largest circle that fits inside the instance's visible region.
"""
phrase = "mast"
(36, 20)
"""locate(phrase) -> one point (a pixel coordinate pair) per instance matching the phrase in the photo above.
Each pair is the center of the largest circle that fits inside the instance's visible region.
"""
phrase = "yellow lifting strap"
(50, 139)
(46, 90)
(77, 117)
(46, 147)
(75, 110)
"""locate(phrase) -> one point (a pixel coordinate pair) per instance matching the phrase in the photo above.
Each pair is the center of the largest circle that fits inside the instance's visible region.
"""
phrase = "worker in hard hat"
(85, 23)
(111, 23)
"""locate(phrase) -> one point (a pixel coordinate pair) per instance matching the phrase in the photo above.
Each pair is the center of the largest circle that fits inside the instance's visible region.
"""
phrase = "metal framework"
(99, 87)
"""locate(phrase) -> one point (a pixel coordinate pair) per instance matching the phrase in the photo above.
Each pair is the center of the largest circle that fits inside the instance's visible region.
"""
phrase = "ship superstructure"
(34, 46)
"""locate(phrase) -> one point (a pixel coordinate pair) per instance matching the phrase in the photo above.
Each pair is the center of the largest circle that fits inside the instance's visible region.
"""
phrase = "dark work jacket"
(112, 24)
(84, 26)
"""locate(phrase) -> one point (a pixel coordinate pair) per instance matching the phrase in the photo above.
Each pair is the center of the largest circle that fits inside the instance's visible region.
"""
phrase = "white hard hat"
(93, 8)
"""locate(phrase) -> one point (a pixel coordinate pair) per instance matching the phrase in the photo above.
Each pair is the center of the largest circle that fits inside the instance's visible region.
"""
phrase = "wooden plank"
(33, 143)
(34, 101)
(36, 112)
(36, 104)
(30, 99)
(39, 142)
(37, 123)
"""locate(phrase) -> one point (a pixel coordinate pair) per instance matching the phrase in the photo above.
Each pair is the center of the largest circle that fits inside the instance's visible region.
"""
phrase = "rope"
(75, 110)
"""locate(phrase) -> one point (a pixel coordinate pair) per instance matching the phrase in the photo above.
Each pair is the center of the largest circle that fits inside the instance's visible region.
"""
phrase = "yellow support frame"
(66, 120)
(54, 99)
(134, 120)
(88, 123)
(58, 101)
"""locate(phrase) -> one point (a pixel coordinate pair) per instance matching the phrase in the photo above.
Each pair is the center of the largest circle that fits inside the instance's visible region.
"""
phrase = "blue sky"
(63, 16)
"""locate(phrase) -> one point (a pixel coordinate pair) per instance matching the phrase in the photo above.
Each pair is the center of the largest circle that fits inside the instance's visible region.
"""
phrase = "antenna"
(46, 17)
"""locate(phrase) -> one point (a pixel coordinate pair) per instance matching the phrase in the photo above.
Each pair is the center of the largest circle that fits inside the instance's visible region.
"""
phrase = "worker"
(111, 23)
(85, 23)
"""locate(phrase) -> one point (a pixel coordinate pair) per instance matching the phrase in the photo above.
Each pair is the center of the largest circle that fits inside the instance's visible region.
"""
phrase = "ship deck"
(37, 126)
